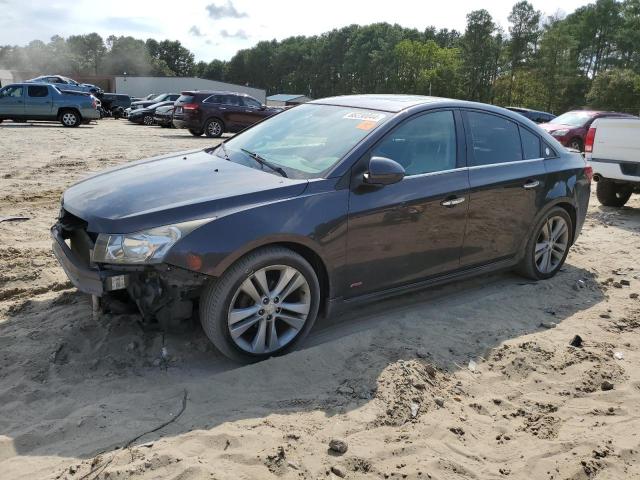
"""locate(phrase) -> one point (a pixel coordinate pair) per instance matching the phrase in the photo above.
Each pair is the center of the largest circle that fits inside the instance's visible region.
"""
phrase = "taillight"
(191, 106)
(588, 172)
(588, 142)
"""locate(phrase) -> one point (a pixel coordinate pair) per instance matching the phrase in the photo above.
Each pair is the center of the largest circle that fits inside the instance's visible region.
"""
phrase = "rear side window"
(217, 99)
(530, 144)
(232, 100)
(185, 99)
(422, 145)
(494, 139)
(38, 91)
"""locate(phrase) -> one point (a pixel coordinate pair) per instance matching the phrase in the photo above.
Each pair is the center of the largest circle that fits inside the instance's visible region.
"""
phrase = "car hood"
(171, 189)
(552, 127)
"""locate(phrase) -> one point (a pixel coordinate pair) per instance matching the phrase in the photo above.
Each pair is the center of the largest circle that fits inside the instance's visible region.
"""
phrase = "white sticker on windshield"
(365, 116)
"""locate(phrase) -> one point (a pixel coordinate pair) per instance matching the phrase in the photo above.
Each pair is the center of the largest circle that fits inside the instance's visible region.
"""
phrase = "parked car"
(164, 116)
(571, 128)
(145, 115)
(66, 83)
(42, 101)
(333, 202)
(163, 97)
(534, 115)
(214, 113)
(613, 149)
(115, 103)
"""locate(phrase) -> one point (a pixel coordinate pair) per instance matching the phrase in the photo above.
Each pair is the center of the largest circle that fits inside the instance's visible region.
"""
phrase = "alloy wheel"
(69, 119)
(269, 309)
(551, 244)
(148, 120)
(214, 129)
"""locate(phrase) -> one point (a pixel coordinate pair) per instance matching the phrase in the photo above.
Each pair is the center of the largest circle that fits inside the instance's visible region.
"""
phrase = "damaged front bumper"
(86, 278)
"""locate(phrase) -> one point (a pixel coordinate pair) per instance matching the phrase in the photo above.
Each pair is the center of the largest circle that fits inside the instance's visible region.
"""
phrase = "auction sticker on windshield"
(365, 116)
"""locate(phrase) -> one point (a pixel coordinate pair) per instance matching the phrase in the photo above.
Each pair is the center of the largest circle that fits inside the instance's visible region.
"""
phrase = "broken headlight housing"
(144, 247)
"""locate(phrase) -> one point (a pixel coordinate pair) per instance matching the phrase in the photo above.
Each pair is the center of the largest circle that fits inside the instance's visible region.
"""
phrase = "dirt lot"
(84, 397)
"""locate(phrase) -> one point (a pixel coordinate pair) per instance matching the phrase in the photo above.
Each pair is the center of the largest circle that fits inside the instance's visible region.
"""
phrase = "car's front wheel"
(548, 245)
(213, 128)
(576, 144)
(611, 194)
(147, 120)
(263, 306)
(70, 118)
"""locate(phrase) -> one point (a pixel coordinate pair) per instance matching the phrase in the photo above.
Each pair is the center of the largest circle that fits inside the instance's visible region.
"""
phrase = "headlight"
(560, 133)
(147, 246)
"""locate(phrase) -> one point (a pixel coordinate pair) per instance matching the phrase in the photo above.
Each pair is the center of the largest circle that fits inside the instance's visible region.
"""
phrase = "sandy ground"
(84, 397)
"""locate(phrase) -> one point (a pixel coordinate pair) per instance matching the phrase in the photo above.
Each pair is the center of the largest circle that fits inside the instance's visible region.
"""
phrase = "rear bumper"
(84, 277)
(616, 170)
(90, 114)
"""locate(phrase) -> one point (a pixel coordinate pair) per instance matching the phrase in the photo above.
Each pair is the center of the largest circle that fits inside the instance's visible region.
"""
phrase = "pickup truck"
(42, 101)
(612, 146)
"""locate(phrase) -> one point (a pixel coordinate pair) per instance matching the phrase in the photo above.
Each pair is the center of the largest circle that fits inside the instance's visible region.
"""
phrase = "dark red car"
(571, 128)
(214, 113)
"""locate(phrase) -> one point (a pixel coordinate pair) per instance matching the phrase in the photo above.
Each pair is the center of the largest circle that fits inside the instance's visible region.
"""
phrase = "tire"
(213, 128)
(533, 264)
(70, 118)
(147, 120)
(611, 194)
(1, 120)
(196, 133)
(228, 294)
(576, 144)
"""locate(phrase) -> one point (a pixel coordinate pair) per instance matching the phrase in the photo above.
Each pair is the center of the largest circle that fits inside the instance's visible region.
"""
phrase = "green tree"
(616, 90)
(480, 50)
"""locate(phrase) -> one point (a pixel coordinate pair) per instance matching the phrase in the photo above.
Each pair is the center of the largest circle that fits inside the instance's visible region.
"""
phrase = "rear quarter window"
(185, 98)
(530, 144)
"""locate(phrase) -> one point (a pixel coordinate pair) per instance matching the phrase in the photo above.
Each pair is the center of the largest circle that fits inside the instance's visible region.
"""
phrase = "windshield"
(573, 119)
(305, 141)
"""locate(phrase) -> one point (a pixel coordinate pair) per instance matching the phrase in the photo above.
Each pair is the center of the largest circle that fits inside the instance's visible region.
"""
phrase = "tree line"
(590, 57)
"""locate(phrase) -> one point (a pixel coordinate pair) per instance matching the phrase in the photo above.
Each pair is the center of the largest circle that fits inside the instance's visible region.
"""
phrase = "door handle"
(531, 184)
(452, 202)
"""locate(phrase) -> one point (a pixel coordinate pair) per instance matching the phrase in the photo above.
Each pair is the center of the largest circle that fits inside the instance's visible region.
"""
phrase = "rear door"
(507, 181)
(402, 233)
(39, 101)
(12, 101)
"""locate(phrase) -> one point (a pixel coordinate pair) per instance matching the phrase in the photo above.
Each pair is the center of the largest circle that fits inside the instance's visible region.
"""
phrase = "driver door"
(414, 229)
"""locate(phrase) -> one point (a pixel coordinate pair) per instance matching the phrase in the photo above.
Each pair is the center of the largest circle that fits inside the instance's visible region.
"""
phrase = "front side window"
(11, 92)
(424, 144)
(305, 141)
(494, 139)
(38, 91)
(250, 102)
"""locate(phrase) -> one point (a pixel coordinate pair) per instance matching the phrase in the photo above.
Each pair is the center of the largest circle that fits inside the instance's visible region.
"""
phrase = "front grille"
(74, 230)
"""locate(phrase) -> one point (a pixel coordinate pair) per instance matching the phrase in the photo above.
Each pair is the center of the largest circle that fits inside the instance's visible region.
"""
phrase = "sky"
(219, 28)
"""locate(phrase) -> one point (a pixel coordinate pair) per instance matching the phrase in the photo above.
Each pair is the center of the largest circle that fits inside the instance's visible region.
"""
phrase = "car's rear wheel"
(70, 118)
(213, 128)
(263, 306)
(611, 194)
(147, 120)
(548, 246)
(196, 133)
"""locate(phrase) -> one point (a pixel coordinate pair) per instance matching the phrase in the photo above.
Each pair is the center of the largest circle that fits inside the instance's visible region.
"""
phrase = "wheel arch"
(75, 110)
(299, 246)
(215, 117)
(564, 203)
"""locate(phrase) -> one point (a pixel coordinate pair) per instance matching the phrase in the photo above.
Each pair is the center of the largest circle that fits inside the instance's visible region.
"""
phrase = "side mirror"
(263, 107)
(383, 171)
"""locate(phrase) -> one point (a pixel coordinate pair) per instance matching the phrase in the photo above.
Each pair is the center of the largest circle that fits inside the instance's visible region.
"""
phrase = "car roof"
(214, 92)
(397, 103)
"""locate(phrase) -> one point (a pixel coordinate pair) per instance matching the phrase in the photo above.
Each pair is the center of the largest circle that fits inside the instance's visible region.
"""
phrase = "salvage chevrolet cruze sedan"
(330, 203)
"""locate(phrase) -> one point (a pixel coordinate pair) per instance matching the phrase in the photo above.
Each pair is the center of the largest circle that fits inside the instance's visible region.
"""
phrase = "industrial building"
(285, 100)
